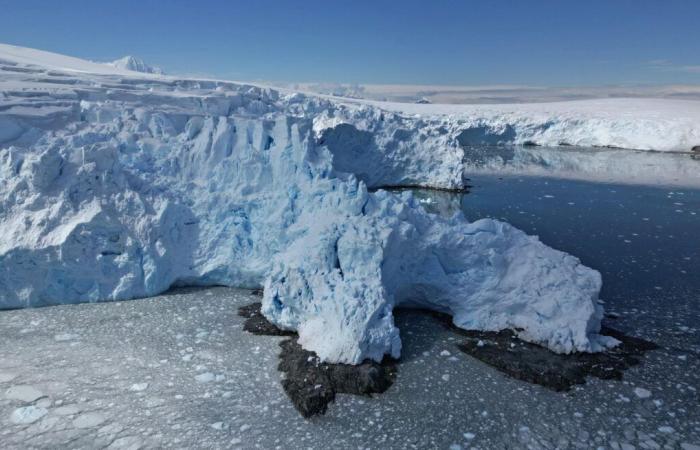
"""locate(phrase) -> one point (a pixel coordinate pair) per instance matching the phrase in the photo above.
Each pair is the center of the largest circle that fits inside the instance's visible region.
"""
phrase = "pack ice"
(118, 185)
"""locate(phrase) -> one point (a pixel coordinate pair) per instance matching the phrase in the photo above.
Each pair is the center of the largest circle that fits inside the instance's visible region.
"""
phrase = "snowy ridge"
(135, 64)
(118, 186)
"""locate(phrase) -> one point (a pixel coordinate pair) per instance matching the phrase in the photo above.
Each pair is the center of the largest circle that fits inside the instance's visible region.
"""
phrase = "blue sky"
(534, 42)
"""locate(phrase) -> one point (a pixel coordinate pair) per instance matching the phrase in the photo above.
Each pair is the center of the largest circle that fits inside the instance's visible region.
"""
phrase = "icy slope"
(21, 57)
(115, 186)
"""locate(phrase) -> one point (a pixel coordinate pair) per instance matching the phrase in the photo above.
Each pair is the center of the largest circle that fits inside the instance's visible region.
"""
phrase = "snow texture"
(118, 186)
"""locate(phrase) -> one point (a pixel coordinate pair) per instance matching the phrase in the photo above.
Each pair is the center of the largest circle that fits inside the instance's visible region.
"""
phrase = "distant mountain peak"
(135, 64)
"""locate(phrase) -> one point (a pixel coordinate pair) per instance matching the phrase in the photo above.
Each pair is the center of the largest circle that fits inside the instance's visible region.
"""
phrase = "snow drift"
(117, 186)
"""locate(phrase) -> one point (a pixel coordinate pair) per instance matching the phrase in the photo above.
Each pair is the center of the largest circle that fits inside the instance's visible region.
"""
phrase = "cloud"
(669, 66)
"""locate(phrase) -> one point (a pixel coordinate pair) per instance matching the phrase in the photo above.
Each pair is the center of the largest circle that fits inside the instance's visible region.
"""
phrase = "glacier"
(119, 185)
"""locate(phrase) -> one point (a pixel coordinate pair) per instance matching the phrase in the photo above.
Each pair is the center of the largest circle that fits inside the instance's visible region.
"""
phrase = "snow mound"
(135, 64)
(122, 192)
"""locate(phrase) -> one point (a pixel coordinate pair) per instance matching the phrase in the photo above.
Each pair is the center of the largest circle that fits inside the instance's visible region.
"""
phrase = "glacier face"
(115, 187)
(126, 203)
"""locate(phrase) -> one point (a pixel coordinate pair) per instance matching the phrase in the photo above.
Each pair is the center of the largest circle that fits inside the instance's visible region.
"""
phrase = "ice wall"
(125, 202)
(118, 187)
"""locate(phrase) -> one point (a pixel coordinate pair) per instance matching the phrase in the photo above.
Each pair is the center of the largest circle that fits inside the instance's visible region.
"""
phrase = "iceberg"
(114, 186)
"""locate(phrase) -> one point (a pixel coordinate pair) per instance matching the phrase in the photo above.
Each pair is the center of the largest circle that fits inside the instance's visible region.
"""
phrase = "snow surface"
(19, 57)
(120, 185)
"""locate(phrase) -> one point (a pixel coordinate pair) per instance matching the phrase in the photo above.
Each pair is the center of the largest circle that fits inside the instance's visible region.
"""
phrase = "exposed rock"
(311, 384)
(535, 364)
(256, 323)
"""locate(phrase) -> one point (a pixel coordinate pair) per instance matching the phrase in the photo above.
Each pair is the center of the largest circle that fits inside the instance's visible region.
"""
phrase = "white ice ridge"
(135, 64)
(118, 187)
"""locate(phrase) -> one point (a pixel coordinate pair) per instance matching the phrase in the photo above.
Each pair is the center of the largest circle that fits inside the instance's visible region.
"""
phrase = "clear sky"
(533, 42)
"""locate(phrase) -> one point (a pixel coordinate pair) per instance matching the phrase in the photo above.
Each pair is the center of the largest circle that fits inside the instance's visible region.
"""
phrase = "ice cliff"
(125, 203)
(117, 186)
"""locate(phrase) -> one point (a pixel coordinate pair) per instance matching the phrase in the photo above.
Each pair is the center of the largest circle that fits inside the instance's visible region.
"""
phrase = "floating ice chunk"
(642, 393)
(205, 377)
(24, 393)
(28, 414)
(217, 425)
(65, 337)
(126, 442)
(7, 376)
(68, 410)
(88, 420)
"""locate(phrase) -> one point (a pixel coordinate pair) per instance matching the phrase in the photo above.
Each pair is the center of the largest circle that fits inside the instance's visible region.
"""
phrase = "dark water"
(645, 240)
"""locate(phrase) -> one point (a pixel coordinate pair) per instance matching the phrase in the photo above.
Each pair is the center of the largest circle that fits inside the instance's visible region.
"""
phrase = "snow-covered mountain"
(116, 185)
(135, 64)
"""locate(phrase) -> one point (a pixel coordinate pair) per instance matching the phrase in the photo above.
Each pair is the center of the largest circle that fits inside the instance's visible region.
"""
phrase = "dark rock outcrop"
(535, 364)
(311, 384)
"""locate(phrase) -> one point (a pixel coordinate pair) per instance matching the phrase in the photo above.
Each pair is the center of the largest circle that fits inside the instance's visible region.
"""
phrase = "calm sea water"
(643, 238)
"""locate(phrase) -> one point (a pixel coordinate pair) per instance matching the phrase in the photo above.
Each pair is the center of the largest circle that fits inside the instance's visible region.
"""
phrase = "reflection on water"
(595, 164)
(645, 240)
(443, 203)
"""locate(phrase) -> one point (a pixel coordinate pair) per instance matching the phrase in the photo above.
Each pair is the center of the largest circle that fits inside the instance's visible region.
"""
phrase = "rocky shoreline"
(312, 385)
